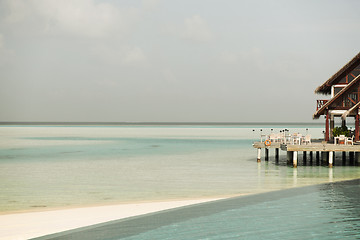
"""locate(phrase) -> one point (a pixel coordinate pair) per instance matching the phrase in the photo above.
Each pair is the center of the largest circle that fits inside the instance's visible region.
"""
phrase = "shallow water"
(46, 167)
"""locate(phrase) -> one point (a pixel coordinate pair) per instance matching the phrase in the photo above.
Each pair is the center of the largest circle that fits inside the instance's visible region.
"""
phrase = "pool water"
(325, 211)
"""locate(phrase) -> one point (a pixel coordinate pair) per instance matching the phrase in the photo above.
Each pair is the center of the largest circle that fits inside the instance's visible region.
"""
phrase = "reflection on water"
(295, 177)
(327, 211)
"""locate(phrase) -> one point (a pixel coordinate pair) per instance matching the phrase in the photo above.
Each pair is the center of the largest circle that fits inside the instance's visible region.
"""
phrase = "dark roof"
(325, 88)
(327, 104)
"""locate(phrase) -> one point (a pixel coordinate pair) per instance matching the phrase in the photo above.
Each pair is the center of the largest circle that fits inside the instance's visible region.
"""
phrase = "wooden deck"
(315, 146)
(321, 147)
(262, 145)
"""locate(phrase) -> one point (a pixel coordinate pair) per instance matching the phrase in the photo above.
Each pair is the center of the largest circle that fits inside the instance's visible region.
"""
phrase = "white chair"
(350, 140)
(296, 138)
(342, 139)
(273, 137)
(307, 139)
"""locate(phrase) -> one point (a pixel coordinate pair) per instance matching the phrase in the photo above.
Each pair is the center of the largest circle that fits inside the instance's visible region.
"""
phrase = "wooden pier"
(343, 89)
(327, 150)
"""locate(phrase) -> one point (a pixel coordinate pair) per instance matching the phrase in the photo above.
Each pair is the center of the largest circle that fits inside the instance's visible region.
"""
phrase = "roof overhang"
(356, 106)
(322, 110)
(325, 88)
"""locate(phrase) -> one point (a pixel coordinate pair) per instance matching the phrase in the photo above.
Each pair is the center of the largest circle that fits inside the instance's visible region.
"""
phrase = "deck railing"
(320, 103)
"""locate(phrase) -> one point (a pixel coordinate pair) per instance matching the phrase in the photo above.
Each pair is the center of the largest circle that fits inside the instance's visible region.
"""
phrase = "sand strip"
(35, 224)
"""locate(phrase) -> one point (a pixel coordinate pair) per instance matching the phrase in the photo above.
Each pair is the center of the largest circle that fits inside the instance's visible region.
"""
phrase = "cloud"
(197, 29)
(6, 55)
(150, 4)
(228, 57)
(133, 55)
(16, 10)
(84, 17)
(115, 55)
(194, 28)
(1, 41)
(169, 76)
(76, 17)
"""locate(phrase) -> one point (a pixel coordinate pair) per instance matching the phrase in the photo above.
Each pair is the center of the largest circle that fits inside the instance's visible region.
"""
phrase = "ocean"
(53, 167)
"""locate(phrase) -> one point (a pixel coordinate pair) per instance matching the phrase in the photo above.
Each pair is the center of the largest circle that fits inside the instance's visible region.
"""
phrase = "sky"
(171, 61)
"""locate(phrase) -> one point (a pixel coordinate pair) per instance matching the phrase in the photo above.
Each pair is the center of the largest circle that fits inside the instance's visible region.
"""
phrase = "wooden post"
(289, 156)
(324, 157)
(344, 156)
(351, 156)
(317, 158)
(311, 156)
(327, 127)
(266, 154)
(357, 157)
(276, 154)
(331, 159)
(259, 155)
(295, 155)
(332, 123)
(357, 127)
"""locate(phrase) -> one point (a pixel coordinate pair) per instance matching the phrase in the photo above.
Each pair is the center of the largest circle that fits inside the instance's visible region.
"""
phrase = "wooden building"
(344, 102)
(344, 91)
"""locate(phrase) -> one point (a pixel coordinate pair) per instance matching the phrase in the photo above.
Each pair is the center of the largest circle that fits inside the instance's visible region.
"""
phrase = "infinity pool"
(325, 211)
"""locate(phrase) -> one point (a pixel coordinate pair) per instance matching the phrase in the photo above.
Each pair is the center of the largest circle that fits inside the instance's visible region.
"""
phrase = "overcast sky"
(185, 60)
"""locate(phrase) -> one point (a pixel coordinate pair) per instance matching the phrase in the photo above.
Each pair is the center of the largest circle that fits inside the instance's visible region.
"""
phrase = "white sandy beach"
(35, 224)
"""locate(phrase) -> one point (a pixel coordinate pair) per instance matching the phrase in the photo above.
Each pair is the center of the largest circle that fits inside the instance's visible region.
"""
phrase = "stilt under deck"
(327, 151)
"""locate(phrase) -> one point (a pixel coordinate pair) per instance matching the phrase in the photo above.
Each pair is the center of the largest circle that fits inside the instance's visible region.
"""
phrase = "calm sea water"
(47, 167)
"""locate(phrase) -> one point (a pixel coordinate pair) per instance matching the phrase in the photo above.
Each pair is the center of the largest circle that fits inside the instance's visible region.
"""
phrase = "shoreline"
(41, 223)
(34, 224)
(93, 205)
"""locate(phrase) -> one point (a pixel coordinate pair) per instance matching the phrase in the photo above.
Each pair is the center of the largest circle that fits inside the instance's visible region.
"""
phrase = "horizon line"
(152, 123)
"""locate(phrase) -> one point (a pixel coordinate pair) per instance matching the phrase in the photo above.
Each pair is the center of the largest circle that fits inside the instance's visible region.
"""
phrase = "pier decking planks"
(262, 145)
(312, 147)
(323, 147)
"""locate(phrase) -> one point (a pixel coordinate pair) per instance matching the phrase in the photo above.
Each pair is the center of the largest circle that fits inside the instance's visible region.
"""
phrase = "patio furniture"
(307, 139)
(340, 140)
(350, 140)
(296, 138)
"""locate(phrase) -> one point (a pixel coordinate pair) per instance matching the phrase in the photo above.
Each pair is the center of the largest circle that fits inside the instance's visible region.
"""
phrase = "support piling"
(266, 154)
(259, 155)
(295, 156)
(331, 159)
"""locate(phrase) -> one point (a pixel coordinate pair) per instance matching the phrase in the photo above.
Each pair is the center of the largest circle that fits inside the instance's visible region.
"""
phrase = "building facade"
(344, 91)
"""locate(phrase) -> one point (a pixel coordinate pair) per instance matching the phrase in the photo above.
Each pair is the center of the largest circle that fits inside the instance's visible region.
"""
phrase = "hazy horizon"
(313, 123)
(170, 61)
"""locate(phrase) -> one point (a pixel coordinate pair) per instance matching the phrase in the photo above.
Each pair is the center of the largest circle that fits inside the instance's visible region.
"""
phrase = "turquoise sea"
(47, 167)
(52, 167)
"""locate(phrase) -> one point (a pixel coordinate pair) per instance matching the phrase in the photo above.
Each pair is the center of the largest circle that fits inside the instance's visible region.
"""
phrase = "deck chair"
(273, 137)
(307, 139)
(296, 138)
(342, 139)
(350, 140)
